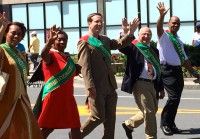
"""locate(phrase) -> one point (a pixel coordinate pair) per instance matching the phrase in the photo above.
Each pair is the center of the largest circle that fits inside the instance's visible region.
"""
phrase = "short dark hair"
(64, 33)
(198, 26)
(89, 18)
(20, 25)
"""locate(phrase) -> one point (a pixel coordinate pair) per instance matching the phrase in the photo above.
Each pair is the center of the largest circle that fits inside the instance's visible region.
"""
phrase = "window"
(114, 12)
(154, 13)
(73, 37)
(198, 10)
(36, 10)
(22, 17)
(185, 11)
(87, 7)
(132, 9)
(70, 14)
(53, 14)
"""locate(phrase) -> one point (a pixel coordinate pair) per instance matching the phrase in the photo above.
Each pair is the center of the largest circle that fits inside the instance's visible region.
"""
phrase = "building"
(71, 15)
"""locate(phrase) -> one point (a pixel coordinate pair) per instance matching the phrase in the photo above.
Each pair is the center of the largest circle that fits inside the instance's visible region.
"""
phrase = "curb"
(188, 82)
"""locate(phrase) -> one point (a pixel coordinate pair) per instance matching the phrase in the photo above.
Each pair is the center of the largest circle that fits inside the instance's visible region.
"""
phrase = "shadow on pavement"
(191, 131)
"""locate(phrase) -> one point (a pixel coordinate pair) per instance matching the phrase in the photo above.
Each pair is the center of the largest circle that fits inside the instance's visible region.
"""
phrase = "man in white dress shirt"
(172, 57)
(196, 37)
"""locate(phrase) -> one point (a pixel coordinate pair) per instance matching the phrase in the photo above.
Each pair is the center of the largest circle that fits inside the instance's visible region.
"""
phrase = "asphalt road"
(188, 117)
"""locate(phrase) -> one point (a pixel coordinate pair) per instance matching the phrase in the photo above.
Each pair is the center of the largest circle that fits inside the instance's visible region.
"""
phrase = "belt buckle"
(152, 81)
(149, 80)
(146, 80)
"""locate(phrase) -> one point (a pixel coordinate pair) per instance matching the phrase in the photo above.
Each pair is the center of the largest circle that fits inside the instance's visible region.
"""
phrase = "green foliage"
(186, 73)
(118, 58)
(118, 63)
(123, 59)
(193, 54)
(153, 43)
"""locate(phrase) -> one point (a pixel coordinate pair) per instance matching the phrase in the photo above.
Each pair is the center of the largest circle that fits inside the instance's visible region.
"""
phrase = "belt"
(171, 66)
(146, 80)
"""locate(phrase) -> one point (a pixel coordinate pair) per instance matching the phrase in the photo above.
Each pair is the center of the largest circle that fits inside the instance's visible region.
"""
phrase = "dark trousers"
(173, 84)
(27, 64)
(33, 58)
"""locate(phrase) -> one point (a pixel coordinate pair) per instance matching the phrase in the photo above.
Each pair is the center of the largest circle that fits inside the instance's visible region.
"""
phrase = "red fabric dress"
(59, 108)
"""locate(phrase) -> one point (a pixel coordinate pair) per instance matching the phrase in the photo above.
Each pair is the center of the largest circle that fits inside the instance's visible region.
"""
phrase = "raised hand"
(53, 33)
(133, 25)
(161, 7)
(125, 25)
(3, 19)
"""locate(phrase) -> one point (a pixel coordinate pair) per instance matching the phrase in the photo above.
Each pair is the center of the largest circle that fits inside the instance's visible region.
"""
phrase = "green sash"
(98, 45)
(60, 78)
(151, 56)
(22, 66)
(177, 47)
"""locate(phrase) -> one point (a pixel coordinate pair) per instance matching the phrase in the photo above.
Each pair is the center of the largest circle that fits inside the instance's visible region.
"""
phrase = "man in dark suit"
(94, 58)
(143, 78)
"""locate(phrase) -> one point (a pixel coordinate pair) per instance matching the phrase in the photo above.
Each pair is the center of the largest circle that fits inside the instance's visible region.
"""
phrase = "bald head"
(145, 35)
(174, 25)
(176, 18)
(145, 29)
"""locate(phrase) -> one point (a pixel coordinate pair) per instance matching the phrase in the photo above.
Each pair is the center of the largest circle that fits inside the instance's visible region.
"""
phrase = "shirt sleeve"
(85, 63)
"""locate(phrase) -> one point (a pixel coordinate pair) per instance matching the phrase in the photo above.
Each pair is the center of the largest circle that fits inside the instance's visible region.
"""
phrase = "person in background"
(142, 78)
(196, 37)
(59, 109)
(21, 48)
(16, 119)
(34, 49)
(172, 57)
(94, 57)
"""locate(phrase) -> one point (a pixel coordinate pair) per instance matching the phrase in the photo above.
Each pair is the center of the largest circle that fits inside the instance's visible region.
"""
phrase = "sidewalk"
(189, 83)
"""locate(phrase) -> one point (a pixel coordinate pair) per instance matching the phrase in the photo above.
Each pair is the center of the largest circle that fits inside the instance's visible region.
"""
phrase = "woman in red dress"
(59, 108)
